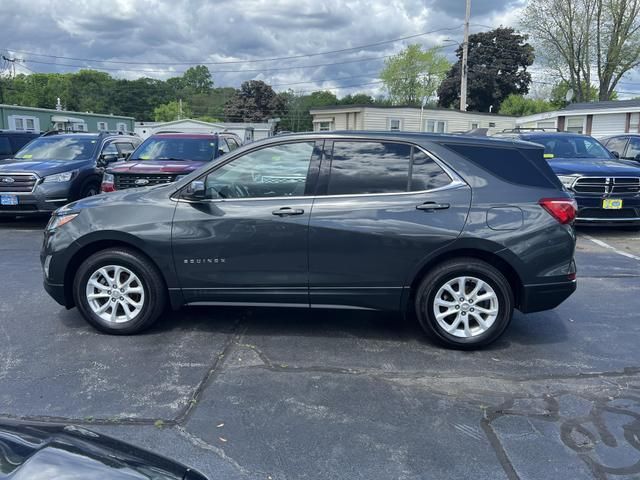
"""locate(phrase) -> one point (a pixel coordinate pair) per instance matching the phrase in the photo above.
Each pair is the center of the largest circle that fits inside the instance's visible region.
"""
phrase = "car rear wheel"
(119, 292)
(464, 303)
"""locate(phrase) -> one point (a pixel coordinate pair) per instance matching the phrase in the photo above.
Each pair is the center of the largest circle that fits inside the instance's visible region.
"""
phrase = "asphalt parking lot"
(273, 394)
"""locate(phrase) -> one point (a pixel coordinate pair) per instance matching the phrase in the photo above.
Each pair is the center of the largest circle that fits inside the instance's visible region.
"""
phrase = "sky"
(161, 39)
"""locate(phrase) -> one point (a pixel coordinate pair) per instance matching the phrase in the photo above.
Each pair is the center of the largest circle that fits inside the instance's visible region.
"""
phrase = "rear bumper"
(536, 298)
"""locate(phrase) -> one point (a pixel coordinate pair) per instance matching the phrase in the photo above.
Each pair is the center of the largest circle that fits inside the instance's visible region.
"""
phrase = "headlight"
(567, 180)
(60, 220)
(60, 177)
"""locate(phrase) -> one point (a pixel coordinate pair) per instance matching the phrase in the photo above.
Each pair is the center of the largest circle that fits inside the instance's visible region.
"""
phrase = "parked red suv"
(165, 157)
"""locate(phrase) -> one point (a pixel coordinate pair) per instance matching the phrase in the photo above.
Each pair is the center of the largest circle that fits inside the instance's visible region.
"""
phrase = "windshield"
(58, 148)
(176, 148)
(571, 147)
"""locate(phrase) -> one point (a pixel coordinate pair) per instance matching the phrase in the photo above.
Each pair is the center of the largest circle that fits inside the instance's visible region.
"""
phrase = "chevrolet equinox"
(453, 229)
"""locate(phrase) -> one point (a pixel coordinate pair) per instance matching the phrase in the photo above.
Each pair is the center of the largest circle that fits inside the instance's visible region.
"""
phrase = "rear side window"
(526, 167)
(5, 146)
(380, 167)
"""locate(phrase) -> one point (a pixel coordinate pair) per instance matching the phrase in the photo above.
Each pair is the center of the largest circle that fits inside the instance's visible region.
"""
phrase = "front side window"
(176, 149)
(110, 149)
(377, 167)
(633, 152)
(58, 148)
(5, 146)
(124, 148)
(232, 144)
(274, 171)
(616, 145)
(223, 147)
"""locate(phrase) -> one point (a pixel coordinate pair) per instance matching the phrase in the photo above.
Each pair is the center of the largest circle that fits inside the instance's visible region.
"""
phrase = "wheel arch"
(98, 245)
(479, 252)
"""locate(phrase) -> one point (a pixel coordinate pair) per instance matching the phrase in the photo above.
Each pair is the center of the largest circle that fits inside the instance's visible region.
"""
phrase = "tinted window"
(223, 147)
(232, 144)
(5, 146)
(568, 146)
(510, 164)
(124, 148)
(275, 171)
(369, 167)
(19, 141)
(616, 145)
(59, 148)
(110, 149)
(633, 151)
(425, 173)
(176, 148)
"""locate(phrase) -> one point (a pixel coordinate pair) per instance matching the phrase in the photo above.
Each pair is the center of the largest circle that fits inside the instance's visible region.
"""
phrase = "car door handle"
(428, 206)
(286, 211)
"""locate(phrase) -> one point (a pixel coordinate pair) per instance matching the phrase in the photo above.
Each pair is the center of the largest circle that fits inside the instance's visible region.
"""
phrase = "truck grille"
(602, 214)
(607, 185)
(17, 182)
(123, 181)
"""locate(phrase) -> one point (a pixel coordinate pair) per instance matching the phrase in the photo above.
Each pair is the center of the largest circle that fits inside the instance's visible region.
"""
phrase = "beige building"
(598, 119)
(410, 119)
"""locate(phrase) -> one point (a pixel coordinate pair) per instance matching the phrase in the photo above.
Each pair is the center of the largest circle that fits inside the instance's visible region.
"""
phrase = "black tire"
(89, 189)
(153, 286)
(468, 267)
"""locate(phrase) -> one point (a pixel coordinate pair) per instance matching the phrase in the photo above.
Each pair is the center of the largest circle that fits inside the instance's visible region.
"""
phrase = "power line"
(272, 59)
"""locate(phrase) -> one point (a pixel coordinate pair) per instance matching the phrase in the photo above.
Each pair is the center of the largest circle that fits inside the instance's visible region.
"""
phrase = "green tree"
(254, 102)
(518, 106)
(197, 79)
(560, 90)
(584, 39)
(357, 99)
(90, 91)
(414, 74)
(171, 111)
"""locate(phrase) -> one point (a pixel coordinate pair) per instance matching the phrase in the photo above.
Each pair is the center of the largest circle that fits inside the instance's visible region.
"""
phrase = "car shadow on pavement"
(24, 223)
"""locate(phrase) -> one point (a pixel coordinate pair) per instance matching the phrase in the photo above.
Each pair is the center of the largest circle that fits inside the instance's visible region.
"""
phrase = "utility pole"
(180, 109)
(11, 61)
(465, 54)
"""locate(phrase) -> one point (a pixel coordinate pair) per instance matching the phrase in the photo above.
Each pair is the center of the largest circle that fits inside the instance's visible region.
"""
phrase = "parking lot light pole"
(465, 53)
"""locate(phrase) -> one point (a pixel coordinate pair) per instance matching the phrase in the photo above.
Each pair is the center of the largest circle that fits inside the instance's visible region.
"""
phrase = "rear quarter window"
(524, 167)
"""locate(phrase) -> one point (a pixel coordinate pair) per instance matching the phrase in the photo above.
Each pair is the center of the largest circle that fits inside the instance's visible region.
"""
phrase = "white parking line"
(610, 247)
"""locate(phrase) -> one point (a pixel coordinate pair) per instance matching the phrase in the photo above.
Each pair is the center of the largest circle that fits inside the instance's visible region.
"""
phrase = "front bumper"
(45, 199)
(56, 292)
(590, 211)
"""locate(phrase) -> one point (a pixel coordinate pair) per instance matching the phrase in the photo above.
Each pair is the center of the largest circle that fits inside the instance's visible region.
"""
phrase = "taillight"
(107, 184)
(564, 210)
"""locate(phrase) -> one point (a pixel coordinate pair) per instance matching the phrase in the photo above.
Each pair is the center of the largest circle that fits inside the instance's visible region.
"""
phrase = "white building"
(248, 132)
(410, 119)
(598, 119)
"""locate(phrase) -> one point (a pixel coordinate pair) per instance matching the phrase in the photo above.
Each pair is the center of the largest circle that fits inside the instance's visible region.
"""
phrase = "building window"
(492, 124)
(79, 127)
(324, 126)
(395, 124)
(121, 127)
(24, 123)
(634, 123)
(575, 124)
(102, 126)
(474, 125)
(435, 126)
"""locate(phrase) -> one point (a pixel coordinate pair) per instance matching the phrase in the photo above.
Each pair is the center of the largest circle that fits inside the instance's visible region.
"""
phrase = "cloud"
(160, 39)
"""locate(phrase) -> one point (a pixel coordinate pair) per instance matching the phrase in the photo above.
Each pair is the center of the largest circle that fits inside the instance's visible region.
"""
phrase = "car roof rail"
(117, 132)
(530, 129)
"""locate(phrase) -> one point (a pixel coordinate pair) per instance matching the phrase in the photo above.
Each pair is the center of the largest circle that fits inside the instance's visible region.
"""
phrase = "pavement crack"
(234, 338)
(202, 444)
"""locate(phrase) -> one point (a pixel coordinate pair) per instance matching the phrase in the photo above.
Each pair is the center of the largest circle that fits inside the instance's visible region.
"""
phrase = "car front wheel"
(464, 303)
(119, 292)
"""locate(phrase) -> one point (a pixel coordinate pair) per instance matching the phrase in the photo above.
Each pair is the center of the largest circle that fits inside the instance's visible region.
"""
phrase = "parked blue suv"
(58, 168)
(606, 188)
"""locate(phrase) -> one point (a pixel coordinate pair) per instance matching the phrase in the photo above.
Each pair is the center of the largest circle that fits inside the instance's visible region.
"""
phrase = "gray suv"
(455, 230)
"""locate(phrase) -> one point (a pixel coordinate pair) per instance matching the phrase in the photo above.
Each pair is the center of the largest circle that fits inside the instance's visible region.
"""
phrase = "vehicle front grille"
(607, 185)
(123, 181)
(601, 213)
(17, 182)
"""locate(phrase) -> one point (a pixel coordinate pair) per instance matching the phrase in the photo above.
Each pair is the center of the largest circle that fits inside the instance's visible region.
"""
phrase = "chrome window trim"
(456, 180)
(38, 180)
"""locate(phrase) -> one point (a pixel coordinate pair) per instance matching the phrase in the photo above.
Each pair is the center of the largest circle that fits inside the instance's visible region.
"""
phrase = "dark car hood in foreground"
(595, 167)
(156, 166)
(40, 167)
(36, 451)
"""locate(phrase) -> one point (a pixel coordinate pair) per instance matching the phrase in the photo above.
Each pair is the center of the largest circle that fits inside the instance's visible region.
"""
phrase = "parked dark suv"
(13, 140)
(606, 188)
(57, 168)
(166, 157)
(460, 230)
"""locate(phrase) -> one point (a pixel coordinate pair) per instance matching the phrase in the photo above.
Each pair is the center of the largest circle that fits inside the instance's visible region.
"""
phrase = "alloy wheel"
(115, 294)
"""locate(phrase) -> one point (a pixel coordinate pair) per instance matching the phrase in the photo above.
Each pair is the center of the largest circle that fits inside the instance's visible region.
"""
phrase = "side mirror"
(615, 154)
(196, 190)
(108, 158)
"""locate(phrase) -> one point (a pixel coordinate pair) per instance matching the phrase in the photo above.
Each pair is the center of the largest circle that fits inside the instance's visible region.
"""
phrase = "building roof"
(63, 112)
(611, 104)
(439, 109)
